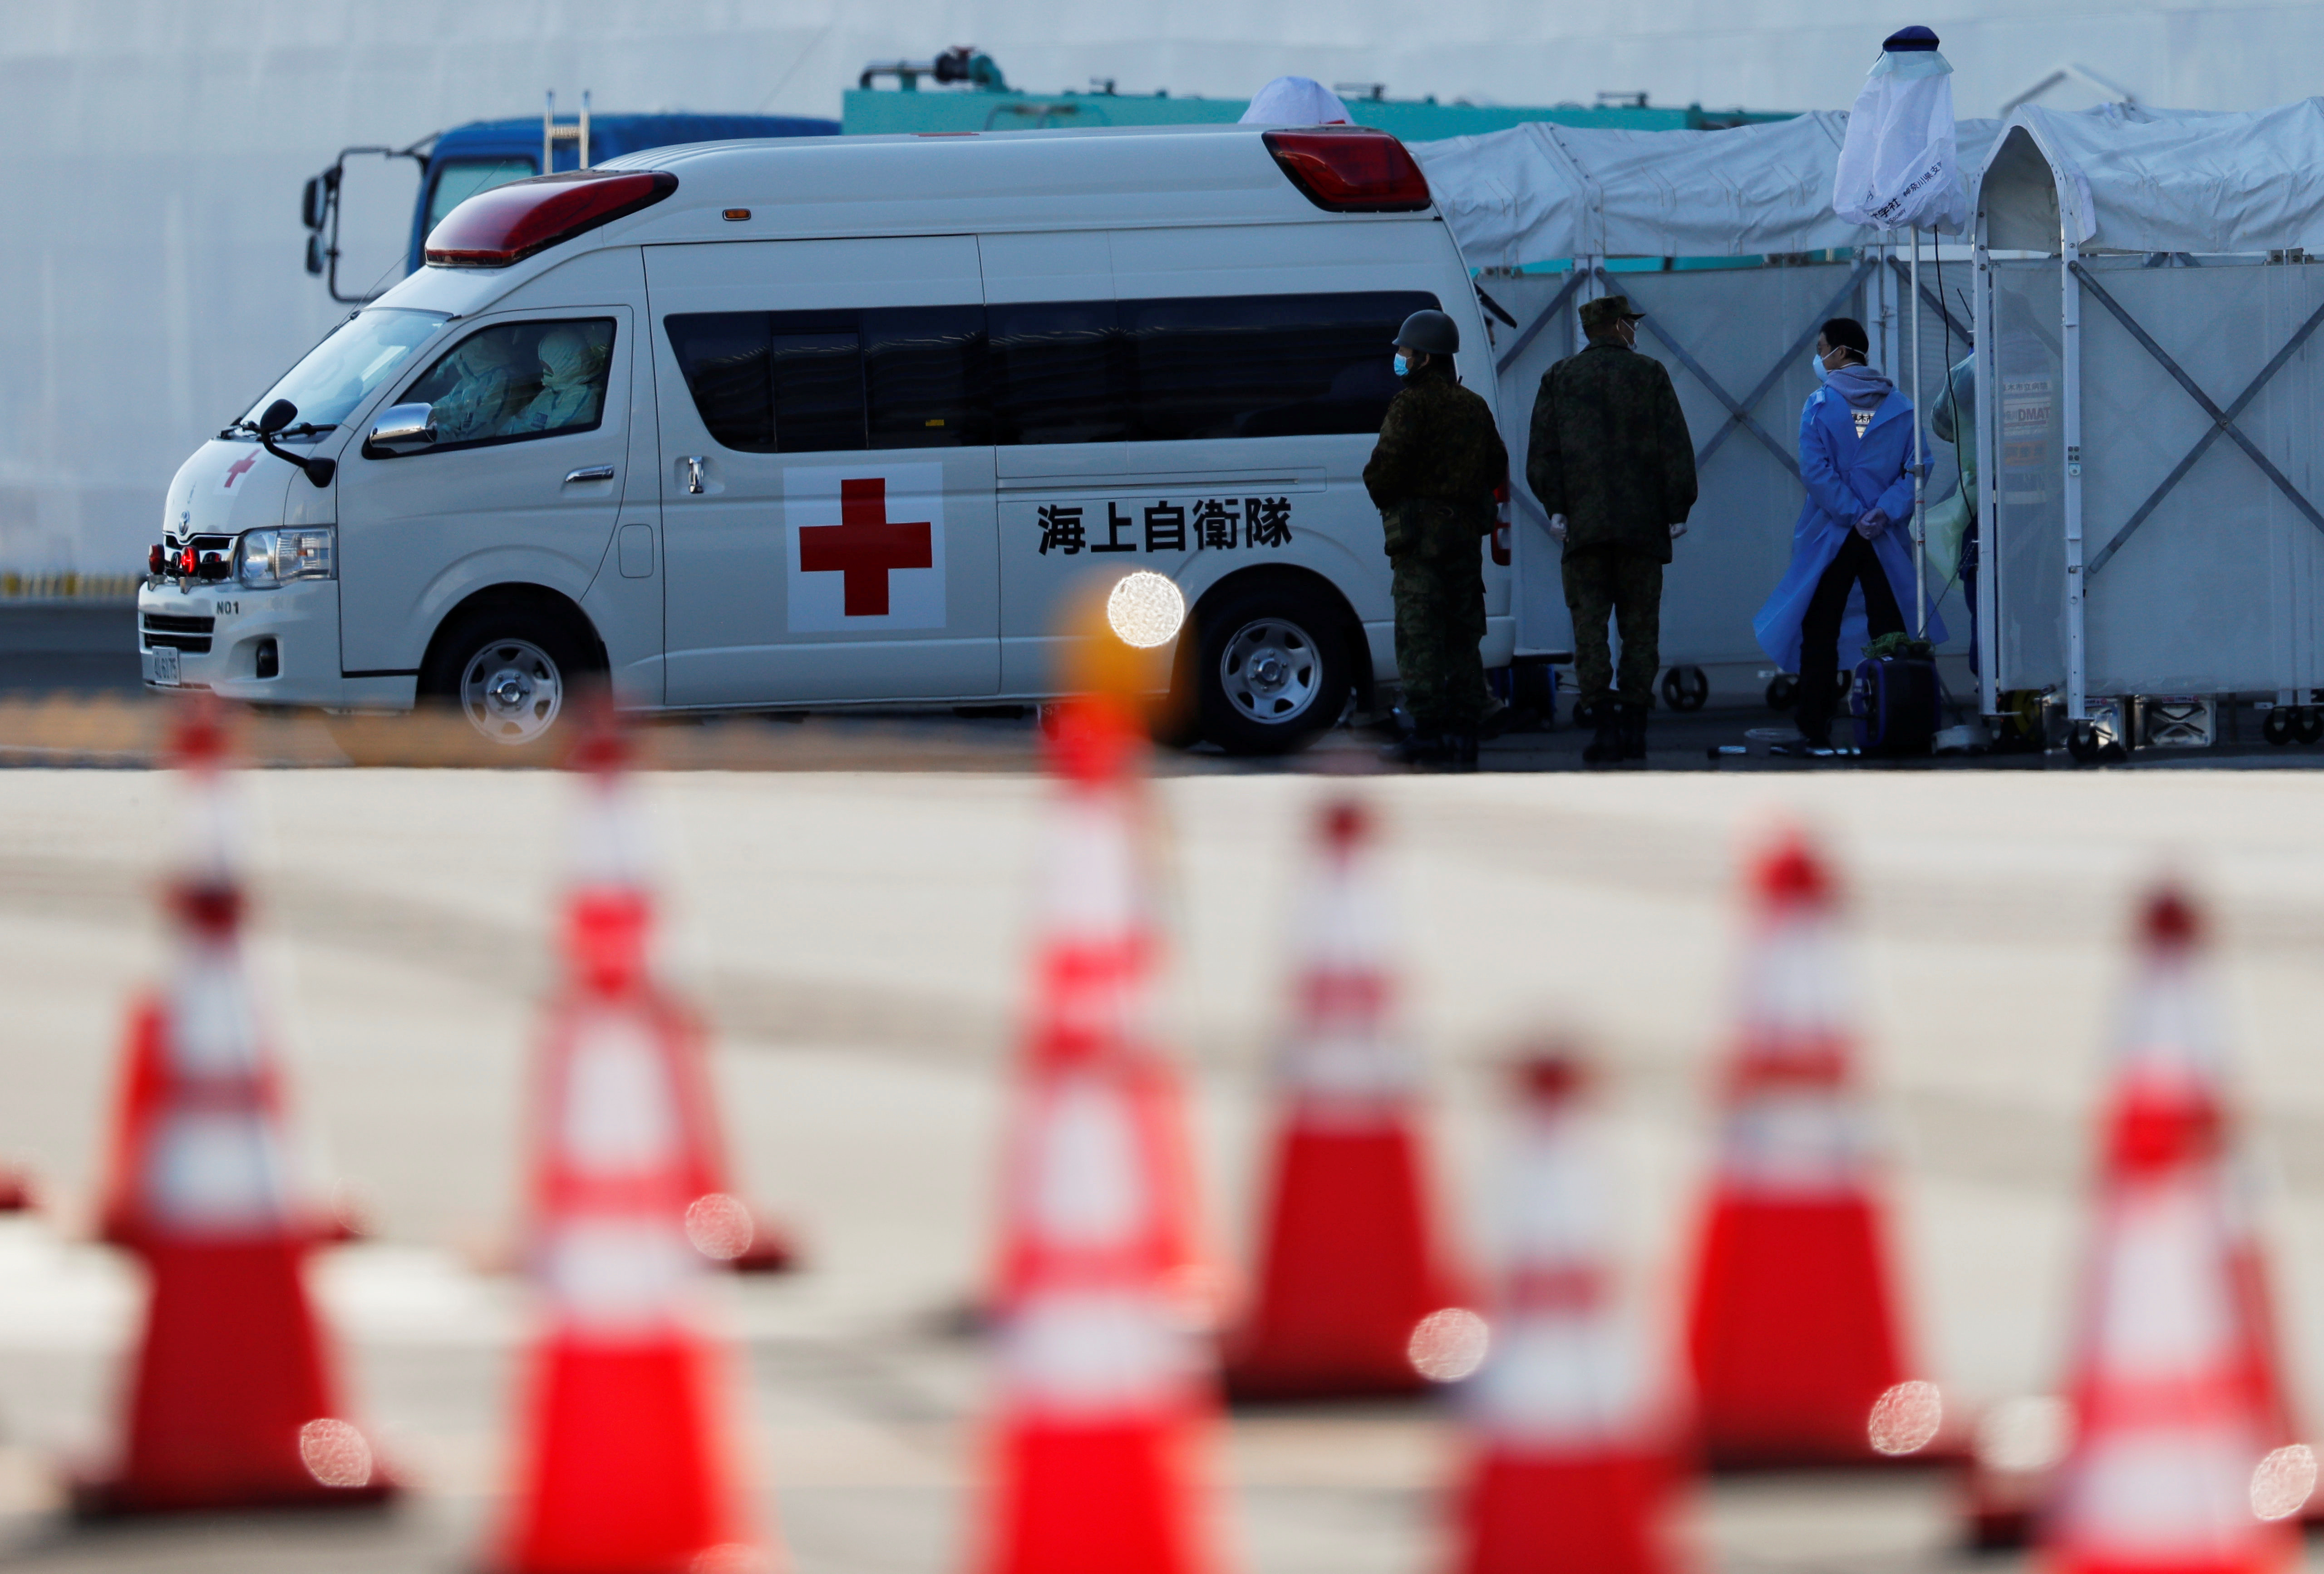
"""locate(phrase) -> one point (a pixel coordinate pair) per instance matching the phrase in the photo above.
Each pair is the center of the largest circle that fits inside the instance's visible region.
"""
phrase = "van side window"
(923, 373)
(517, 380)
(1057, 372)
(1263, 365)
(1042, 372)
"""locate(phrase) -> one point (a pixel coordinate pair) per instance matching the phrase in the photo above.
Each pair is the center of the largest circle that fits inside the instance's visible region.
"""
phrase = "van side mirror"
(273, 419)
(314, 254)
(401, 429)
(310, 203)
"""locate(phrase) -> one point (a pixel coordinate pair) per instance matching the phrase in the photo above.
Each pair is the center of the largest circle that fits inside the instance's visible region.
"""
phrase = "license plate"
(165, 665)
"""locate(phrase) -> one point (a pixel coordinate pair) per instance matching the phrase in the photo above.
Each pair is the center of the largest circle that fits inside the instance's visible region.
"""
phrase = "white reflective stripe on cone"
(1558, 1214)
(1796, 980)
(1554, 1379)
(610, 845)
(1344, 921)
(1086, 1184)
(213, 1030)
(216, 1171)
(2165, 1309)
(1366, 1069)
(1086, 1353)
(616, 1275)
(1090, 892)
(621, 1114)
(2170, 1496)
(2171, 1033)
(1796, 1143)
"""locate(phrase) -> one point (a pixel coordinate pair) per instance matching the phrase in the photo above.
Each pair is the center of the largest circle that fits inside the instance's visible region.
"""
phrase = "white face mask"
(1403, 367)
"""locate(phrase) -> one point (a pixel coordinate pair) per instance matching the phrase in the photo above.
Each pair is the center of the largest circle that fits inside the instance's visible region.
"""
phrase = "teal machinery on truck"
(456, 164)
(969, 92)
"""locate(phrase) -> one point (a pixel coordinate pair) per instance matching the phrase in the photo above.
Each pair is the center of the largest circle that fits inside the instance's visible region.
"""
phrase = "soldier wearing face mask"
(1432, 476)
(1856, 453)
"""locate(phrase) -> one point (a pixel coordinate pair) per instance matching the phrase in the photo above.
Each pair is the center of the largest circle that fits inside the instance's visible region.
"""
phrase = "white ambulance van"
(836, 423)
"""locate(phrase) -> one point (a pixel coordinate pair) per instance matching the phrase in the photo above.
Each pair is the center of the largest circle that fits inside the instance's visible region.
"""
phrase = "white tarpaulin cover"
(1295, 101)
(1898, 169)
(1540, 192)
(2132, 180)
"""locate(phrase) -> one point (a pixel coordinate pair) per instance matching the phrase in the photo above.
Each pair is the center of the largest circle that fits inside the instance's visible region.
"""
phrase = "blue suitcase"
(1896, 704)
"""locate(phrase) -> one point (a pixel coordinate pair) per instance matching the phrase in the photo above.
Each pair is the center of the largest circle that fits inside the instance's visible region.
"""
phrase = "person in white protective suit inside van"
(473, 405)
(570, 370)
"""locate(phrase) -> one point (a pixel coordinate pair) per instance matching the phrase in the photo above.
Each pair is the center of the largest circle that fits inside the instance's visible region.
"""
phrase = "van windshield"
(337, 374)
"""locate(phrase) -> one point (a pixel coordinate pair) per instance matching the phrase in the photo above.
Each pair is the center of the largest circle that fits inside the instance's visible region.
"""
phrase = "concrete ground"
(859, 938)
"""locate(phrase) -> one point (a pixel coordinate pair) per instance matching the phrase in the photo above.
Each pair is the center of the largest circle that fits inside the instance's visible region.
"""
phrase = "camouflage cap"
(1605, 311)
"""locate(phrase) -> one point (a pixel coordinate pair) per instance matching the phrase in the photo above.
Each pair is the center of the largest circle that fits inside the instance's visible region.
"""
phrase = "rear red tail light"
(509, 223)
(1348, 169)
(157, 560)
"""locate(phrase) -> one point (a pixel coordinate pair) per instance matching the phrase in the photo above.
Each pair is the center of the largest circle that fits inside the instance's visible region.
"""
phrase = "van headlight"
(276, 557)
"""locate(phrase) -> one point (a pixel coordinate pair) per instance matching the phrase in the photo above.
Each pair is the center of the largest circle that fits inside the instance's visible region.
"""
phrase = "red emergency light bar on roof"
(1350, 169)
(509, 223)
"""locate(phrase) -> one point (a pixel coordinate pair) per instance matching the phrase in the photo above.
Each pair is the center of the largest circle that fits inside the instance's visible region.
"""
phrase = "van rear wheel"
(516, 675)
(1274, 670)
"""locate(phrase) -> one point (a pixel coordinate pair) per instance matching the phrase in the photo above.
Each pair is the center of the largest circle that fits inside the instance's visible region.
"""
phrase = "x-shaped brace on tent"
(1524, 341)
(1905, 272)
(2223, 422)
(1739, 412)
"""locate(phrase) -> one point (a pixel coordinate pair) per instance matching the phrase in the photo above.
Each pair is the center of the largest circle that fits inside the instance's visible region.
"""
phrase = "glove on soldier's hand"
(1557, 527)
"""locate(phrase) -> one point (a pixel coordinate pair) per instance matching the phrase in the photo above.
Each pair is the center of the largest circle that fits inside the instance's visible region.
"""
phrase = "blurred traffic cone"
(2174, 1466)
(232, 1404)
(627, 1459)
(1102, 1400)
(1571, 1439)
(1793, 1329)
(1349, 1267)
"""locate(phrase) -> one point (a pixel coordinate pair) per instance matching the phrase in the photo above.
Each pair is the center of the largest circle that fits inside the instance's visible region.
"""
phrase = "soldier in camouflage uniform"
(1432, 477)
(1612, 463)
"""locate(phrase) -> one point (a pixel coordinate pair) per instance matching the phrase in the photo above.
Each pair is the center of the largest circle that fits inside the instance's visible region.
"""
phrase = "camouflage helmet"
(1430, 332)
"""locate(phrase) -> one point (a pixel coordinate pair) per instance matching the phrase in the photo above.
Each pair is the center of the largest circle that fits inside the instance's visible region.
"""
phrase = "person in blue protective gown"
(1854, 531)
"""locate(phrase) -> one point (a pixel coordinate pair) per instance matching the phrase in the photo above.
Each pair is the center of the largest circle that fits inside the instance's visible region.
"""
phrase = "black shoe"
(1461, 751)
(1417, 749)
(1634, 732)
(1606, 748)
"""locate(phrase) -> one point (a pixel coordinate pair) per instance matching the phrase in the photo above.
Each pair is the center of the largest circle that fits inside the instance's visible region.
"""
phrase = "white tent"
(1540, 191)
(1727, 240)
(2147, 422)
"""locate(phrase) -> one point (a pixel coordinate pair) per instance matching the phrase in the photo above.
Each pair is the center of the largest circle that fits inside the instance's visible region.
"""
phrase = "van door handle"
(591, 473)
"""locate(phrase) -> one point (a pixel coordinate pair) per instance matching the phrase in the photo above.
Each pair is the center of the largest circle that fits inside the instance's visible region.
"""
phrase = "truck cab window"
(457, 180)
(517, 379)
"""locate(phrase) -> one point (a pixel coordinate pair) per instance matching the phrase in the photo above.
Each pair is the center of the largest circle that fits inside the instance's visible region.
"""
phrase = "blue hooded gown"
(1846, 475)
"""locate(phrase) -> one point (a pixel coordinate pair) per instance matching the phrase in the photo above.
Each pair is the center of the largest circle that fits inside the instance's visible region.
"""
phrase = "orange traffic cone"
(627, 1461)
(1103, 1401)
(1793, 1330)
(1349, 1267)
(2173, 1468)
(1571, 1436)
(232, 1404)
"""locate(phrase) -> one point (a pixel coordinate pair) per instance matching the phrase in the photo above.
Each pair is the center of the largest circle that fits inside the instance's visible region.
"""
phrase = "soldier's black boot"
(1634, 732)
(1461, 753)
(1606, 748)
(1417, 749)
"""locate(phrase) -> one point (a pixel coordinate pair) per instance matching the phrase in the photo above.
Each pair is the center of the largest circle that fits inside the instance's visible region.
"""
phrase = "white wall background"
(150, 250)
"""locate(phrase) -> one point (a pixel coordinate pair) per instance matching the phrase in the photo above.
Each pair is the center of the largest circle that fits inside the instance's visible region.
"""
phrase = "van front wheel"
(1274, 670)
(515, 674)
